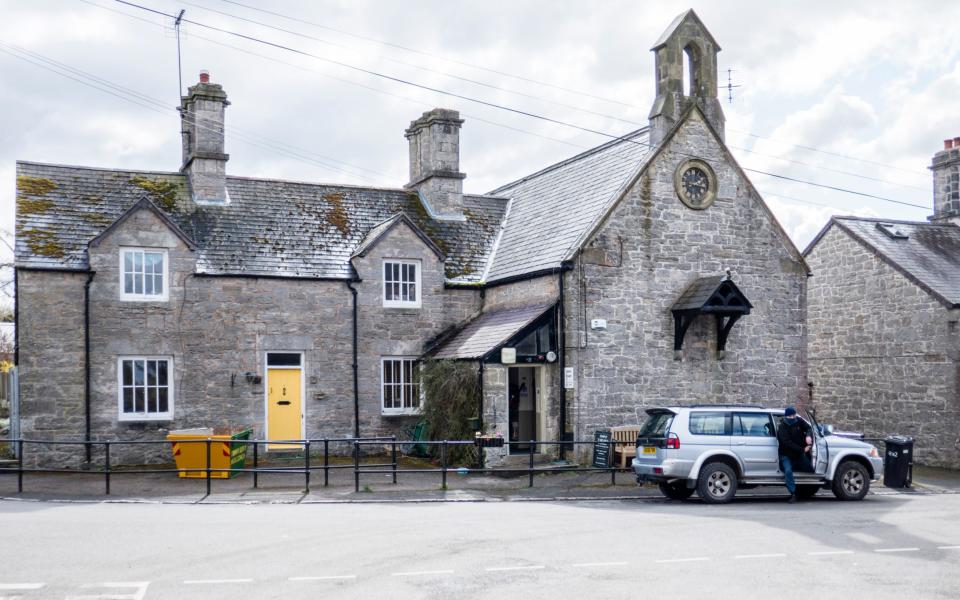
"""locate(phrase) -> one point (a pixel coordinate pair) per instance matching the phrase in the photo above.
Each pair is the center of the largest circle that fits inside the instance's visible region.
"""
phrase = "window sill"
(405, 413)
(143, 419)
(406, 306)
(154, 299)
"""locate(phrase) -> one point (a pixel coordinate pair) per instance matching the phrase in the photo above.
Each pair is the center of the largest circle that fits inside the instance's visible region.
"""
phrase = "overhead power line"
(470, 116)
(829, 153)
(161, 107)
(542, 83)
(538, 98)
(416, 66)
(427, 54)
(488, 103)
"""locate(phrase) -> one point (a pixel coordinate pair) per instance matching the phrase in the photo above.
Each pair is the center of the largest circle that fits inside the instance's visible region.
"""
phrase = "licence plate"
(649, 449)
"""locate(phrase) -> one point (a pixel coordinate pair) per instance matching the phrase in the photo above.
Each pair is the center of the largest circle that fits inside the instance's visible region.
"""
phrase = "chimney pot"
(204, 76)
(947, 144)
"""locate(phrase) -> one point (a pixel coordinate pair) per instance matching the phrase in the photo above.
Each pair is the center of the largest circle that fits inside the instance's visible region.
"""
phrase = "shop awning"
(485, 334)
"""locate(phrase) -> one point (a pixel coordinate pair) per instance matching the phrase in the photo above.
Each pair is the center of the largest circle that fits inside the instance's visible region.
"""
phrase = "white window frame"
(134, 297)
(144, 416)
(419, 288)
(403, 410)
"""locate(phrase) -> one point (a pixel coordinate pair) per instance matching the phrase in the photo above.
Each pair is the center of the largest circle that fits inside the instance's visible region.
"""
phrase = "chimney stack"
(204, 160)
(946, 183)
(435, 162)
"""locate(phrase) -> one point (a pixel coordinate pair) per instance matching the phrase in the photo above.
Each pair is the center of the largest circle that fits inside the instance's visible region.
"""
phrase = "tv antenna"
(730, 86)
(176, 27)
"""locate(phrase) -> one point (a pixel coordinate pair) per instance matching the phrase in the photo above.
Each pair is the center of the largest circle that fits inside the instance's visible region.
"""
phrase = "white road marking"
(742, 556)
(322, 577)
(527, 568)
(415, 573)
(215, 581)
(599, 564)
(896, 549)
(141, 590)
(948, 547)
(21, 586)
(677, 560)
(830, 552)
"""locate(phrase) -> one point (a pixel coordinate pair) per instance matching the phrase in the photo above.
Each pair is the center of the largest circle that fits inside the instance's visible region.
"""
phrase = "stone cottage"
(647, 270)
(884, 303)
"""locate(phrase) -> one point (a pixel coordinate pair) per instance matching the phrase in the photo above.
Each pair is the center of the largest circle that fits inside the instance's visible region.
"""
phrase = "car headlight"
(874, 453)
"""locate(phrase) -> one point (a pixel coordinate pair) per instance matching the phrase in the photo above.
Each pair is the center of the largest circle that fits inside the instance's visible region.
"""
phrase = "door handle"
(283, 402)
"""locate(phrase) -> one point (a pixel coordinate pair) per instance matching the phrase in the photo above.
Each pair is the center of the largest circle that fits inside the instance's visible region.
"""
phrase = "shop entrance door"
(522, 396)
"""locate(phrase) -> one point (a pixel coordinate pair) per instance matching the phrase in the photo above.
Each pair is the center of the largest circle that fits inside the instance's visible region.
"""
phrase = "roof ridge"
(624, 138)
(88, 168)
(897, 221)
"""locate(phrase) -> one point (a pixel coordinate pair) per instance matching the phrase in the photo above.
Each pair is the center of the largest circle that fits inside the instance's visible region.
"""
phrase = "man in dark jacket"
(794, 441)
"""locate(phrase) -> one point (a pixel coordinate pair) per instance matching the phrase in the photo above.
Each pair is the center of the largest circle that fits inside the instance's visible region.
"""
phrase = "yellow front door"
(284, 408)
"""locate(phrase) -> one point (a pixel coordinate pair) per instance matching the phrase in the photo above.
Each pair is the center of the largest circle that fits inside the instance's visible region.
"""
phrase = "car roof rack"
(725, 406)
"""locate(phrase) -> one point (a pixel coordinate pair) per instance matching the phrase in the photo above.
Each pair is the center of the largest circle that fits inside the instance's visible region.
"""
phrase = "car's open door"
(819, 453)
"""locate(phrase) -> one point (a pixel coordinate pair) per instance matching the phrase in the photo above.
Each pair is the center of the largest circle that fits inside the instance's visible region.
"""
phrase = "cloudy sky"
(854, 95)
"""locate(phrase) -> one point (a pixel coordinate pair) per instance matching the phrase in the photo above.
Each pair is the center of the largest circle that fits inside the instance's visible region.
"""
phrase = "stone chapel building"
(884, 306)
(645, 271)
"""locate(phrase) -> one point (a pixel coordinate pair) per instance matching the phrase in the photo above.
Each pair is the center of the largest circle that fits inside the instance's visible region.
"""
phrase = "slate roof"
(698, 293)
(269, 228)
(294, 229)
(551, 210)
(929, 255)
(488, 331)
(378, 231)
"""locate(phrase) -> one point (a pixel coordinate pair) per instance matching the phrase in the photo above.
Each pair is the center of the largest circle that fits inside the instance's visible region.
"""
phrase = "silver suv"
(716, 449)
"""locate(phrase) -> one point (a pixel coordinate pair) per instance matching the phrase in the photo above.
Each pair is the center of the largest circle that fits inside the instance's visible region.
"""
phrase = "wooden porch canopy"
(717, 296)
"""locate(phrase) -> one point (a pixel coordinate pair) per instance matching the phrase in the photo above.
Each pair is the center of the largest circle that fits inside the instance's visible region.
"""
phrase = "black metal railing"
(310, 447)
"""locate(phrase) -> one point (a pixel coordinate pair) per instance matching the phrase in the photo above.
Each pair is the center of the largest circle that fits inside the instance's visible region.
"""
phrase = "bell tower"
(686, 57)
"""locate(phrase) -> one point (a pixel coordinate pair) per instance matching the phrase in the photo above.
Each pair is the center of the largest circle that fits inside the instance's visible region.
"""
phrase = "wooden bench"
(624, 440)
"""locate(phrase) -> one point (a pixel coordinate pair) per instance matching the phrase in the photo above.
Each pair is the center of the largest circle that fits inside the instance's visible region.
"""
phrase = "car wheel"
(717, 483)
(805, 492)
(676, 490)
(851, 481)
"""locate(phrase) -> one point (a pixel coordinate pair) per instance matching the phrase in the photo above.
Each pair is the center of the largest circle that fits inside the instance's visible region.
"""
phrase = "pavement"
(291, 488)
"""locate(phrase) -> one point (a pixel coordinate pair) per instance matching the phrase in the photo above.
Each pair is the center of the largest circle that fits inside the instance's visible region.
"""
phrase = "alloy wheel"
(718, 484)
(852, 481)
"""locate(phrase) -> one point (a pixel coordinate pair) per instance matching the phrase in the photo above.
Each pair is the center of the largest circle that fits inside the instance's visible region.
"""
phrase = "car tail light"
(658, 471)
(673, 442)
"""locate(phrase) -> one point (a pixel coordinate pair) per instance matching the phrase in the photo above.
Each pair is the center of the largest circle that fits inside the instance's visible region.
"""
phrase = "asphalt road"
(893, 546)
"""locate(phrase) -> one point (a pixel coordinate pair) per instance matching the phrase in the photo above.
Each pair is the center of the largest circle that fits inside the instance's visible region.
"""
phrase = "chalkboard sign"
(601, 449)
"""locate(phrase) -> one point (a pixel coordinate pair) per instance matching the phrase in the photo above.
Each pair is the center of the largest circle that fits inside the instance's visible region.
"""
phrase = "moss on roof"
(43, 242)
(338, 216)
(34, 186)
(163, 193)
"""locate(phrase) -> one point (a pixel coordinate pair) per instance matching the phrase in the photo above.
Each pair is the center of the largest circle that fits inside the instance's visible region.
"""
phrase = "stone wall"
(51, 361)
(884, 354)
(641, 260)
(401, 331)
(218, 329)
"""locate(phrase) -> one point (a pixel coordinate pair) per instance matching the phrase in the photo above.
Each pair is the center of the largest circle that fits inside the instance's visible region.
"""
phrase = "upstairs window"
(401, 283)
(146, 393)
(143, 274)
